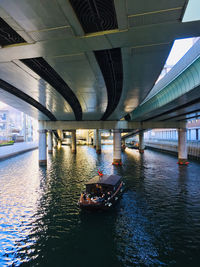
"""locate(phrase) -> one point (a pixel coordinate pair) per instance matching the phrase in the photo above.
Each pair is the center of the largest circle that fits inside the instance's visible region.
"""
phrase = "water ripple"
(156, 223)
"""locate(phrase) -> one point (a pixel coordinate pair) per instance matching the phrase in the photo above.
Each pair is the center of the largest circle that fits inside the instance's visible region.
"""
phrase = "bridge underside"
(84, 60)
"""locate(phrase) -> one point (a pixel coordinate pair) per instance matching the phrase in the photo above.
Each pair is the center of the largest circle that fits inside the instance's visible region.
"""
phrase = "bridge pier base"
(42, 147)
(74, 141)
(141, 142)
(50, 142)
(117, 147)
(98, 141)
(182, 146)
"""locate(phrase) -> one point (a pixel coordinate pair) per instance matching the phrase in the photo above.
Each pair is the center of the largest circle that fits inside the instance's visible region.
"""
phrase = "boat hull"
(103, 205)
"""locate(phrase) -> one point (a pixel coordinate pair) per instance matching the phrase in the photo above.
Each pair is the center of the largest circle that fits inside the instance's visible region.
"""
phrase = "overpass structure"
(94, 63)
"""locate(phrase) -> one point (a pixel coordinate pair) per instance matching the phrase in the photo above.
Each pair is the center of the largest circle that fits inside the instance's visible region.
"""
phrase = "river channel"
(156, 222)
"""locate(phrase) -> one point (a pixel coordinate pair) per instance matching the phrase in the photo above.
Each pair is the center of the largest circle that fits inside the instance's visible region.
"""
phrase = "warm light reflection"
(59, 145)
(134, 153)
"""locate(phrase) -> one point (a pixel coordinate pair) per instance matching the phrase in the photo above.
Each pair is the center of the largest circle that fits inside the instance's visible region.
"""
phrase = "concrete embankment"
(17, 148)
(172, 147)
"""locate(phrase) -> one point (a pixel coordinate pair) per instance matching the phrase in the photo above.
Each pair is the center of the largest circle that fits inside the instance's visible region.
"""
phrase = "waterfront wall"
(17, 148)
(172, 147)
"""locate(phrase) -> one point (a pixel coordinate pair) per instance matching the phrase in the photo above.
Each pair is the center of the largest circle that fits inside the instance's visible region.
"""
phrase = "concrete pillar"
(94, 138)
(117, 147)
(42, 147)
(98, 141)
(182, 146)
(50, 142)
(88, 138)
(55, 142)
(73, 144)
(141, 142)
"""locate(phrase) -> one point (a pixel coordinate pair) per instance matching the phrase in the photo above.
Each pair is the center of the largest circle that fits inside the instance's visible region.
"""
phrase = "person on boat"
(108, 195)
(103, 196)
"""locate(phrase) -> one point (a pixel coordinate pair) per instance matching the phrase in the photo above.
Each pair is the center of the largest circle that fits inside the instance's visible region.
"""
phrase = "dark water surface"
(156, 223)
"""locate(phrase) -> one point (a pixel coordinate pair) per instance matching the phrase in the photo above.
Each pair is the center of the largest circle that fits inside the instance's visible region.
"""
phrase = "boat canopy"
(104, 180)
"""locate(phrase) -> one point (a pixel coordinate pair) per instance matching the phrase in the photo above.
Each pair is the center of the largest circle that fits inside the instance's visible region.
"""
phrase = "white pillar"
(89, 140)
(141, 142)
(98, 141)
(94, 138)
(50, 142)
(182, 146)
(88, 137)
(73, 141)
(117, 147)
(42, 147)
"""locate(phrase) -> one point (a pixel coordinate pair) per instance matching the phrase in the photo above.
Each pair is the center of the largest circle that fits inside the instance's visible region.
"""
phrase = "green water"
(156, 223)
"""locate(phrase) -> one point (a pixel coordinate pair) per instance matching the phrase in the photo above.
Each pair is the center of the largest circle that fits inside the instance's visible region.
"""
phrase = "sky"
(192, 11)
(180, 47)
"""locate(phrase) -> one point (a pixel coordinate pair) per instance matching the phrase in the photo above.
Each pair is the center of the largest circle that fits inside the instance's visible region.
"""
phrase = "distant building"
(4, 124)
(16, 125)
(193, 132)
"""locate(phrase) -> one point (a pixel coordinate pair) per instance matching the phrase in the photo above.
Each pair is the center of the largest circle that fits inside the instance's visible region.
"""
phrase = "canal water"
(156, 222)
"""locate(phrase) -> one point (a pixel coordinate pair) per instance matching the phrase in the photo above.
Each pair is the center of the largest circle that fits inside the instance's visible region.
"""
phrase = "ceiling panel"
(50, 34)
(141, 67)
(144, 6)
(83, 80)
(35, 15)
(170, 15)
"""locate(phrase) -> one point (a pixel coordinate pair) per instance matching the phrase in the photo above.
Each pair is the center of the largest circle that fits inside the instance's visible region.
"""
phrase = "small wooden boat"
(101, 192)
(133, 145)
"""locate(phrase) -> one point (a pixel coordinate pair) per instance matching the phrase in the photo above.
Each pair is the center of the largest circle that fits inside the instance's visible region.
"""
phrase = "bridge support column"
(74, 141)
(98, 141)
(117, 147)
(94, 138)
(182, 146)
(50, 142)
(88, 138)
(141, 142)
(55, 142)
(42, 147)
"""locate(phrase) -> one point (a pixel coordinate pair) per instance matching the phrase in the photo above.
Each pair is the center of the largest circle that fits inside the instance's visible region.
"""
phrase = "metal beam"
(73, 125)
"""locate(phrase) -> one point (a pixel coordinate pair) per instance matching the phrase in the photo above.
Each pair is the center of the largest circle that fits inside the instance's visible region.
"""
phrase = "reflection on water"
(156, 223)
